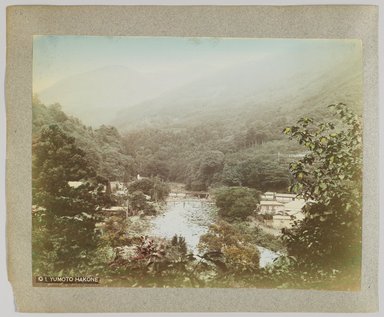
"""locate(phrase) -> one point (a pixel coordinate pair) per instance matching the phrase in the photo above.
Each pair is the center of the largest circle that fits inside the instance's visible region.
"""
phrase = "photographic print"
(185, 162)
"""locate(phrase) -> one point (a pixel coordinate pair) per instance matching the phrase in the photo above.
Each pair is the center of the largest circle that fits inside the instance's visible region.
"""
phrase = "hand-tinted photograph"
(196, 162)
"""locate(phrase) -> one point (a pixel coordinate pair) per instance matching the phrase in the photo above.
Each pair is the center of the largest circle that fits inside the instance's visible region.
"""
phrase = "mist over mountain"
(250, 90)
(131, 99)
(96, 96)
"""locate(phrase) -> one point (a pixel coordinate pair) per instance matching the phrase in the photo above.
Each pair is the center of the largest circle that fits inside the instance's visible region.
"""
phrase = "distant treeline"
(200, 155)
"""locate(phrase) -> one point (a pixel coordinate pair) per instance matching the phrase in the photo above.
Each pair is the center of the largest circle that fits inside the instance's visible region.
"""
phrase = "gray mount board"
(315, 22)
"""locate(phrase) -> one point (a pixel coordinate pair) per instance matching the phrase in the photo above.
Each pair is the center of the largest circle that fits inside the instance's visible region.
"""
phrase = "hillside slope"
(232, 96)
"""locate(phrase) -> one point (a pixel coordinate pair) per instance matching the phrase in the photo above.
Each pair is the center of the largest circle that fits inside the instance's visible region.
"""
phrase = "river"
(191, 218)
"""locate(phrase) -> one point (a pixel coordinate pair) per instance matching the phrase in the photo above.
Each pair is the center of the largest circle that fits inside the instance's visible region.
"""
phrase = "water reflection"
(266, 256)
(191, 219)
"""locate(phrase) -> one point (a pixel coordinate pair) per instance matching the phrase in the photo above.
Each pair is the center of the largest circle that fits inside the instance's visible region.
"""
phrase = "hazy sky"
(58, 57)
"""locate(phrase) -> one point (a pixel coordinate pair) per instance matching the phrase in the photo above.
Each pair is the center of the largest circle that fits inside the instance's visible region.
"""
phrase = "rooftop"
(74, 184)
(270, 203)
(281, 217)
(279, 194)
(295, 205)
(285, 195)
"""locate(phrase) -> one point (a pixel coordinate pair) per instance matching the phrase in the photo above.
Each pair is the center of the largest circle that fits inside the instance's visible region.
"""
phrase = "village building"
(115, 209)
(280, 197)
(295, 209)
(281, 221)
(268, 196)
(270, 207)
(285, 198)
(282, 209)
(116, 186)
(75, 184)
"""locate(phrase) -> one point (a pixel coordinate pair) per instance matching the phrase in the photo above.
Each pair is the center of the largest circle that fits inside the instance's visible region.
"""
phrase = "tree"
(258, 173)
(137, 200)
(236, 202)
(329, 238)
(211, 162)
(155, 167)
(153, 187)
(204, 169)
(234, 251)
(64, 219)
(232, 174)
(251, 137)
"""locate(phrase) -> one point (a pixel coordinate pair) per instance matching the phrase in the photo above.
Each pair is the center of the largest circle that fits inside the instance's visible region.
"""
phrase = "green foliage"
(211, 163)
(329, 238)
(137, 200)
(153, 262)
(114, 231)
(260, 173)
(324, 247)
(288, 273)
(138, 204)
(156, 168)
(205, 170)
(145, 185)
(258, 237)
(214, 153)
(239, 254)
(179, 243)
(236, 202)
(196, 185)
(254, 137)
(103, 147)
(153, 187)
(64, 217)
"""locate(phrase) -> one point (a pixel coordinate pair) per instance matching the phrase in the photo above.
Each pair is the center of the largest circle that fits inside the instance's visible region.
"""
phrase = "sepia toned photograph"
(180, 162)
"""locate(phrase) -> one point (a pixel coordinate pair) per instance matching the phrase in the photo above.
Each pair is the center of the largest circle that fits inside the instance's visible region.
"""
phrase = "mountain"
(96, 96)
(93, 96)
(171, 96)
(251, 89)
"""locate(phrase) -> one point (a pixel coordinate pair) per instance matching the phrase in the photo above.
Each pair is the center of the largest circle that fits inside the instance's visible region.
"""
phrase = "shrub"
(239, 254)
(153, 187)
(236, 202)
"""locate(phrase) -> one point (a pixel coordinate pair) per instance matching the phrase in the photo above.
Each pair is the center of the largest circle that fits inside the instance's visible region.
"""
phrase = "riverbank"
(260, 236)
(174, 247)
(268, 230)
(191, 218)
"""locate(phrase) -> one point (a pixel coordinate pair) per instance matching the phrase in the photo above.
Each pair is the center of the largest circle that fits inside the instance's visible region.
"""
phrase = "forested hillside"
(210, 127)
(197, 155)
(235, 148)
(103, 146)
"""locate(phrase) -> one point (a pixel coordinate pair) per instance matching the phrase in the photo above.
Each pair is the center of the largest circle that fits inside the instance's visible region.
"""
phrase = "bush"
(238, 252)
(329, 237)
(153, 187)
(137, 200)
(198, 186)
(236, 202)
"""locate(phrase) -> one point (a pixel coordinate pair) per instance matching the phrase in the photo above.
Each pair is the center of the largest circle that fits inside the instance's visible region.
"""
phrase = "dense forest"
(236, 161)
(202, 155)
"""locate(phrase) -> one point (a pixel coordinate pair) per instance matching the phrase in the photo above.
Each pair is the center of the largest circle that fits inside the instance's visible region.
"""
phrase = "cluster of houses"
(280, 210)
(118, 188)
